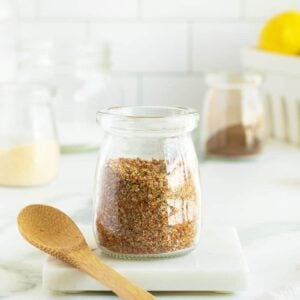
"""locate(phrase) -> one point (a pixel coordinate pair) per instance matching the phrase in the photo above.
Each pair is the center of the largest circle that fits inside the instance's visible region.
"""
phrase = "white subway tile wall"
(27, 8)
(218, 46)
(145, 47)
(258, 9)
(173, 90)
(31, 30)
(88, 8)
(126, 89)
(206, 9)
(160, 49)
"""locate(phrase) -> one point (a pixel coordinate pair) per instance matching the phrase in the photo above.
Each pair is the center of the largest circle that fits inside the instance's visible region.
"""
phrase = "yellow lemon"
(282, 33)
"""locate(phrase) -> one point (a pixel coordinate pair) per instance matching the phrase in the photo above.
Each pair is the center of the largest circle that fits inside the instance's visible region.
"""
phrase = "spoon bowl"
(50, 230)
(53, 232)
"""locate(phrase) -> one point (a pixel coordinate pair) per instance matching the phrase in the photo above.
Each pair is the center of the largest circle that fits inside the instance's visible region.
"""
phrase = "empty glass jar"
(233, 121)
(147, 190)
(78, 75)
(29, 150)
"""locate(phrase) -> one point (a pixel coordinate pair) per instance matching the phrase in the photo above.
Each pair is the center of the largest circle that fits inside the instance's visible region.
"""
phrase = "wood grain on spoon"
(53, 232)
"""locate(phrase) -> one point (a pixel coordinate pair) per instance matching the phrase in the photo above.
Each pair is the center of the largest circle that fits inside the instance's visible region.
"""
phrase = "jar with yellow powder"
(29, 151)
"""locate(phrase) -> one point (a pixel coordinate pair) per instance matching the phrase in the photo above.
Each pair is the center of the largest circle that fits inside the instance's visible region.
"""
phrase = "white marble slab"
(217, 264)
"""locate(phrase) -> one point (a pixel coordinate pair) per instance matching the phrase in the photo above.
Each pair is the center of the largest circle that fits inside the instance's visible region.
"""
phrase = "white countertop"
(261, 198)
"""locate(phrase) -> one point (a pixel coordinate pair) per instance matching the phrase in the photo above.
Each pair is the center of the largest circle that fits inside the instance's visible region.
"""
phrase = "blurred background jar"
(36, 63)
(29, 150)
(233, 116)
(78, 76)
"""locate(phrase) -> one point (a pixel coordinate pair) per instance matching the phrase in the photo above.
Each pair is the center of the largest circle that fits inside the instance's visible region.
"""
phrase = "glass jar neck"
(228, 81)
(148, 121)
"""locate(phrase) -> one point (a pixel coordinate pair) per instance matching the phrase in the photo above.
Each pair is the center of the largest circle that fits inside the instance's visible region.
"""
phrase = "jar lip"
(150, 121)
(233, 80)
(135, 112)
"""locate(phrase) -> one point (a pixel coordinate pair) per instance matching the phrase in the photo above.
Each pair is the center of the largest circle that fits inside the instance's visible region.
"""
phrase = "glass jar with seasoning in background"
(233, 119)
(147, 191)
(29, 150)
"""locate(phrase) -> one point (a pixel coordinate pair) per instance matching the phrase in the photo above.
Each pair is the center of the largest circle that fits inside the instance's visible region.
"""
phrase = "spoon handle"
(88, 262)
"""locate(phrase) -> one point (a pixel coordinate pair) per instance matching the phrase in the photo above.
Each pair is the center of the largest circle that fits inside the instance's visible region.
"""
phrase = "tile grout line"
(133, 74)
(120, 20)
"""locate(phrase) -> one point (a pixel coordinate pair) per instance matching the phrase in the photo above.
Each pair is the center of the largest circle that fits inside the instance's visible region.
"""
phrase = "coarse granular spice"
(146, 207)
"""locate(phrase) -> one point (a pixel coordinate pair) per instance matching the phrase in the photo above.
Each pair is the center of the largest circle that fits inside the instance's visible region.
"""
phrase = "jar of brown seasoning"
(233, 119)
(147, 191)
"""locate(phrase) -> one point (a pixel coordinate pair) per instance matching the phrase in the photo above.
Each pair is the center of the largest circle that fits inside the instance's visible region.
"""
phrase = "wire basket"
(281, 91)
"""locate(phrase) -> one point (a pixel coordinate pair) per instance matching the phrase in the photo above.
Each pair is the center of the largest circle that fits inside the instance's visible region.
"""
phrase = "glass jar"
(233, 116)
(147, 190)
(29, 151)
(77, 73)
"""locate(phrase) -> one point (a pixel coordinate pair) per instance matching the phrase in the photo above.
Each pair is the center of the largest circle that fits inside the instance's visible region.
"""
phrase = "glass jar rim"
(233, 80)
(148, 120)
(170, 111)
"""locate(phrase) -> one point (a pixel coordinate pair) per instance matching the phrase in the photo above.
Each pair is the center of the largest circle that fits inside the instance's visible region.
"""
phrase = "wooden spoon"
(52, 231)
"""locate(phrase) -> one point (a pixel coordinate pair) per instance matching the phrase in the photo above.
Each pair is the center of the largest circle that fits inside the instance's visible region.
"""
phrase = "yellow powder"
(29, 164)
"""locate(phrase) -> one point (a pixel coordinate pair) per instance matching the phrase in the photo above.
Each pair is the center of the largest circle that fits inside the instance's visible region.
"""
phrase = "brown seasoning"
(235, 140)
(139, 212)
